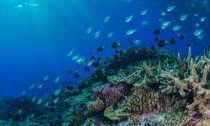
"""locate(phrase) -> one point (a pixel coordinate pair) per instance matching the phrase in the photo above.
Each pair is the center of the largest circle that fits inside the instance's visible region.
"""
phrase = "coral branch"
(181, 87)
(181, 64)
(205, 73)
(198, 102)
(194, 73)
(147, 70)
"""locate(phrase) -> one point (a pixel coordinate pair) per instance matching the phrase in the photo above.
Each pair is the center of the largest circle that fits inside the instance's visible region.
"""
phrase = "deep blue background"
(34, 41)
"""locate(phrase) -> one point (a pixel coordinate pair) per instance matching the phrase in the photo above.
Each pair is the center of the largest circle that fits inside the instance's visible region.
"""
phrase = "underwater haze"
(86, 62)
(36, 34)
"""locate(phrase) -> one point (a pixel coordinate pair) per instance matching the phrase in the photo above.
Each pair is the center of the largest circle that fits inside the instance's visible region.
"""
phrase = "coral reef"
(137, 86)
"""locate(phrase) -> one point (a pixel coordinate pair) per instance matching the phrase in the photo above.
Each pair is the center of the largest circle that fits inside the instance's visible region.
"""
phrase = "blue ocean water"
(36, 35)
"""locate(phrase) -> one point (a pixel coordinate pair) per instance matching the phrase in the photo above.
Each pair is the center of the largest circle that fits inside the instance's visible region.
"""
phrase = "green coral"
(112, 114)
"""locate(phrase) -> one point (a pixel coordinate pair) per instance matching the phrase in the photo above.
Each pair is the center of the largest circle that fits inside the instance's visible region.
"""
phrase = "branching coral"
(151, 87)
(181, 65)
(174, 92)
(163, 91)
(147, 70)
(121, 77)
(194, 84)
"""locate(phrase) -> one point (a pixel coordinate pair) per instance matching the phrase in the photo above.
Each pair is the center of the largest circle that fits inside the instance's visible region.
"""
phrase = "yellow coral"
(141, 101)
(96, 105)
(203, 123)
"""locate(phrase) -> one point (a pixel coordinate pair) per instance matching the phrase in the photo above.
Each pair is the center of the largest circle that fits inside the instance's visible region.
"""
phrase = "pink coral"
(111, 94)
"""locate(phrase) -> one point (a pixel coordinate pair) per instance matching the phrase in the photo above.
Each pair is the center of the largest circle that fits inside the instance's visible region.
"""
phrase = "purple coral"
(110, 94)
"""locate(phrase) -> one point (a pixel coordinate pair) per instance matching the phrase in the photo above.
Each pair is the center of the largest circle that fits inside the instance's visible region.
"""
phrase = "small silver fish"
(203, 19)
(129, 18)
(176, 27)
(144, 12)
(57, 92)
(97, 33)
(183, 17)
(39, 101)
(32, 86)
(46, 78)
(106, 19)
(110, 34)
(89, 30)
(57, 79)
(143, 23)
(163, 13)
(75, 57)
(130, 31)
(70, 53)
(170, 8)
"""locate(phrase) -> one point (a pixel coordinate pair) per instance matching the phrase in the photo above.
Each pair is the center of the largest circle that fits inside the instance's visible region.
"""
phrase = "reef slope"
(137, 86)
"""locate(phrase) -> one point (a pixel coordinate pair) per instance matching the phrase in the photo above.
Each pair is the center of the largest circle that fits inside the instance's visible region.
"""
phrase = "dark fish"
(96, 64)
(69, 87)
(193, 43)
(121, 53)
(131, 42)
(99, 59)
(181, 37)
(172, 41)
(77, 75)
(157, 39)
(92, 57)
(157, 31)
(99, 49)
(117, 50)
(152, 47)
(87, 69)
(91, 53)
(70, 71)
(115, 45)
(176, 50)
(162, 43)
